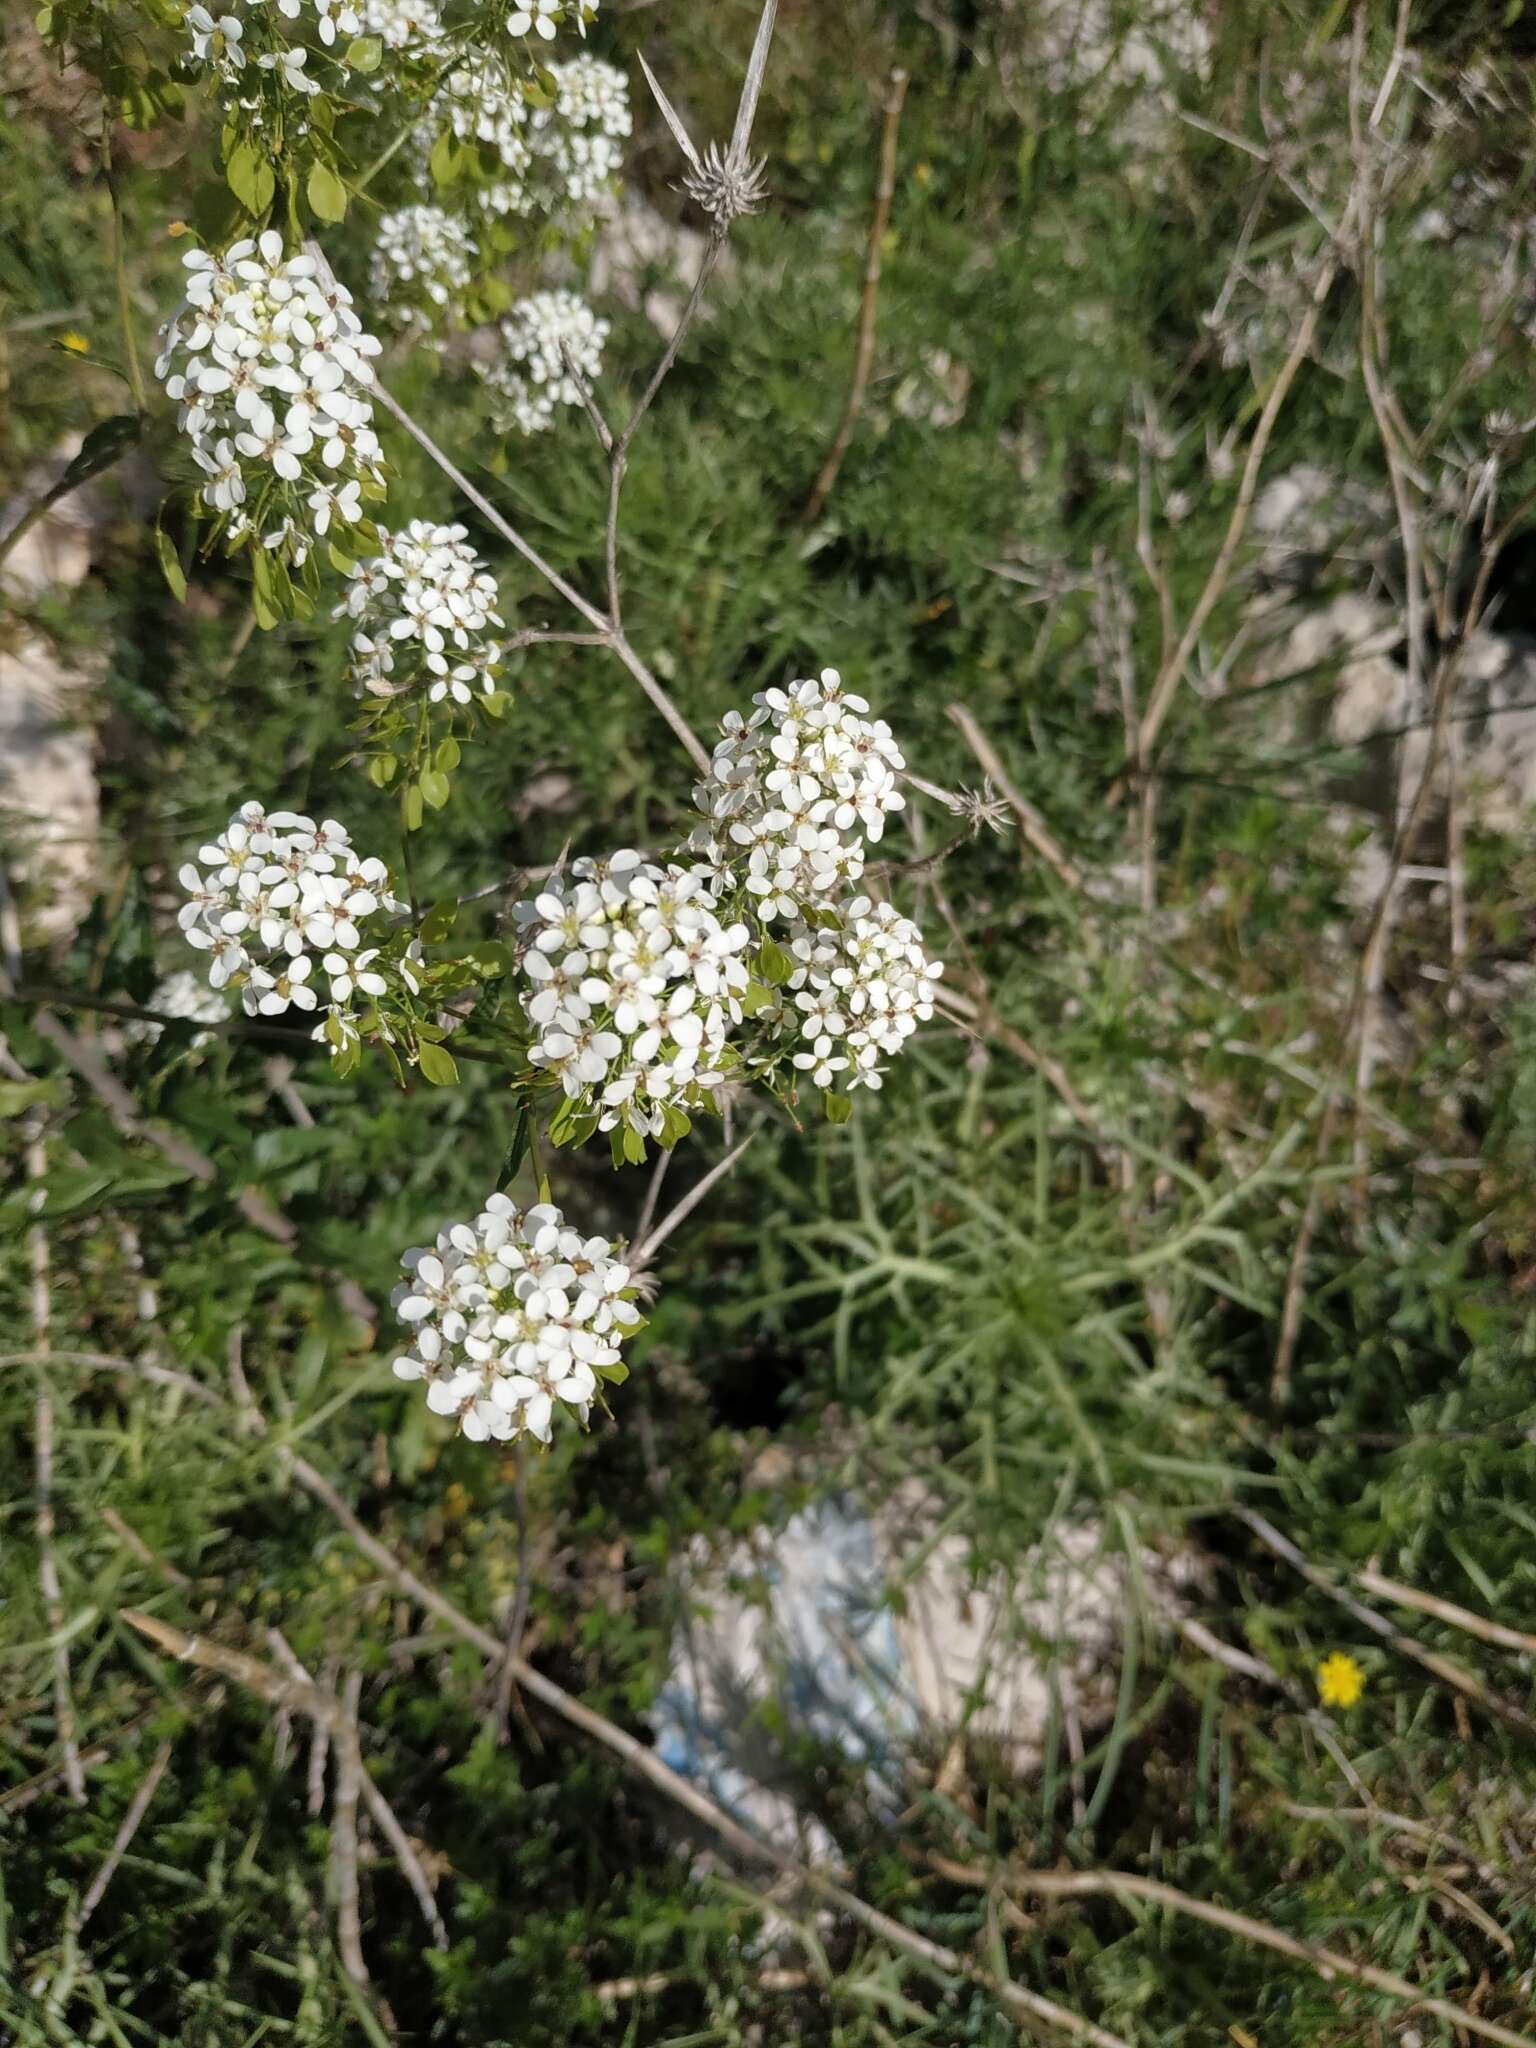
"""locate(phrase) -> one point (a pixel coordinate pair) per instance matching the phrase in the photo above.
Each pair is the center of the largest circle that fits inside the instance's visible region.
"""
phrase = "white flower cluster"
(484, 105)
(423, 605)
(794, 791)
(420, 267)
(580, 136)
(180, 995)
(530, 377)
(414, 25)
(861, 991)
(228, 46)
(511, 1314)
(280, 890)
(269, 368)
(635, 984)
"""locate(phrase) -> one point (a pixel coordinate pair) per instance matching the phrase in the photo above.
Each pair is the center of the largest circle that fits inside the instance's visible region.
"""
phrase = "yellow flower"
(1340, 1681)
(78, 344)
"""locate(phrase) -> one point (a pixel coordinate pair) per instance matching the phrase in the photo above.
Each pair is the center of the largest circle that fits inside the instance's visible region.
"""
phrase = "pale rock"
(48, 789)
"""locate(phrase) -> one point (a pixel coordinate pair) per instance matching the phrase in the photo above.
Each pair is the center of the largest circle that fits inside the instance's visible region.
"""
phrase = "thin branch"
(389, 1824)
(1328, 1963)
(1445, 1610)
(16, 1797)
(621, 647)
(138, 1807)
(47, 1562)
(649, 1245)
(1031, 824)
(517, 1612)
(869, 299)
(1171, 671)
(618, 457)
(349, 1933)
(130, 1538)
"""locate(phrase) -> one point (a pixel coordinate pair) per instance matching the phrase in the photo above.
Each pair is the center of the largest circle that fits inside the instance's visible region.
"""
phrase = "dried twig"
(130, 1538)
(1031, 824)
(869, 298)
(47, 1561)
(349, 1934)
(388, 1822)
(517, 1612)
(616, 1990)
(138, 1807)
(654, 1238)
(1445, 1610)
(1328, 1963)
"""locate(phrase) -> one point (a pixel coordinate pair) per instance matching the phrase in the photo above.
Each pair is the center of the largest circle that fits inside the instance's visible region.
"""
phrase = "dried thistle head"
(726, 187)
(981, 810)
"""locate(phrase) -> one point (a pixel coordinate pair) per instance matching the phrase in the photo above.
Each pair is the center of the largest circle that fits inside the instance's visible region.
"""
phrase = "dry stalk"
(138, 1807)
(1328, 1963)
(47, 1560)
(349, 1932)
(869, 299)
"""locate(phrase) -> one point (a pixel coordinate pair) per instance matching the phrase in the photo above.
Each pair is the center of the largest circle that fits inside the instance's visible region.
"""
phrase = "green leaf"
(249, 176)
(490, 958)
(774, 965)
(497, 704)
(434, 787)
(342, 564)
(675, 1126)
(448, 755)
(438, 922)
(756, 997)
(838, 1107)
(363, 54)
(327, 194)
(522, 1135)
(447, 159)
(170, 565)
(617, 1373)
(634, 1145)
(106, 441)
(436, 1064)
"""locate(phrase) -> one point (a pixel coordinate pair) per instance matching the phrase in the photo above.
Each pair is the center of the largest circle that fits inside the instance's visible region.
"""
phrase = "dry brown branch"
(1031, 824)
(616, 1990)
(977, 1014)
(869, 298)
(1399, 1824)
(41, 1299)
(1327, 1963)
(138, 1807)
(16, 1797)
(107, 1361)
(1445, 1610)
(349, 1931)
(130, 1538)
(1172, 670)
(383, 1813)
